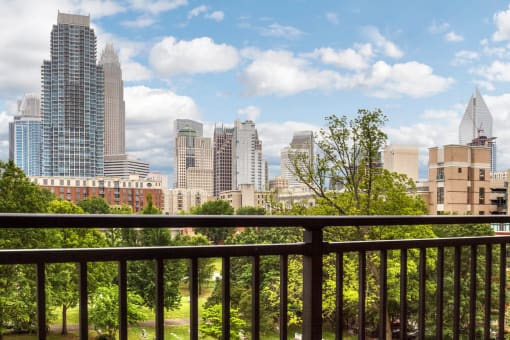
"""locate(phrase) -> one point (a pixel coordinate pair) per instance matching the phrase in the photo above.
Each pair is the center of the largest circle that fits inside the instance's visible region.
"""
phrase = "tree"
(211, 323)
(150, 209)
(250, 211)
(215, 234)
(104, 309)
(94, 205)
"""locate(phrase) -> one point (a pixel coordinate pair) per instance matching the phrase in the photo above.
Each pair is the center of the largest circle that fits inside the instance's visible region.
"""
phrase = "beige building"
(183, 200)
(459, 180)
(402, 159)
(246, 196)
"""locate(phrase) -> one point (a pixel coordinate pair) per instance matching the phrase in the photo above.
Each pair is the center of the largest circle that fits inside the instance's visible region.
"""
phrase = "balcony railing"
(486, 300)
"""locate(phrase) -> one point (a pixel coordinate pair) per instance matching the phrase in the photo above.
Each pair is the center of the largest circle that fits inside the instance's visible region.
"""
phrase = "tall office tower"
(222, 159)
(25, 136)
(114, 107)
(476, 126)
(402, 159)
(72, 101)
(193, 160)
(247, 164)
(301, 144)
(180, 124)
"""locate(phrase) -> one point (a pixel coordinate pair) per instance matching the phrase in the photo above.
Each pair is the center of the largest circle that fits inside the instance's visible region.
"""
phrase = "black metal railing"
(428, 315)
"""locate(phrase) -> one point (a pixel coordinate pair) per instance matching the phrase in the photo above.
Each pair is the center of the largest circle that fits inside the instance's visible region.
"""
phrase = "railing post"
(312, 285)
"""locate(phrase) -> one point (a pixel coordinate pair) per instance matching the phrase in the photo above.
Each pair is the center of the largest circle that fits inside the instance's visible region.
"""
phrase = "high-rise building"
(114, 106)
(459, 180)
(25, 136)
(222, 159)
(247, 163)
(402, 159)
(72, 101)
(300, 146)
(476, 126)
(193, 159)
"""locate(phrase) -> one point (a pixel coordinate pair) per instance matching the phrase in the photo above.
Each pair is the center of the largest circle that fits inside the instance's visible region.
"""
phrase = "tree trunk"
(64, 320)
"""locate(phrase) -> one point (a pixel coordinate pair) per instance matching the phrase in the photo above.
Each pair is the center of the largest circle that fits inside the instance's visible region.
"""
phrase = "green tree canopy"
(251, 211)
(94, 205)
(215, 234)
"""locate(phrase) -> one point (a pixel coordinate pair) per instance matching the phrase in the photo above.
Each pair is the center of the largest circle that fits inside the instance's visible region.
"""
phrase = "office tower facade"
(193, 159)
(300, 146)
(247, 163)
(25, 136)
(476, 126)
(402, 159)
(459, 180)
(114, 106)
(222, 159)
(72, 101)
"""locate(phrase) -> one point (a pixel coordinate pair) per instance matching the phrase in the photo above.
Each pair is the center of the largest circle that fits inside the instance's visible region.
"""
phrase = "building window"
(440, 174)
(481, 196)
(482, 174)
(440, 195)
(459, 170)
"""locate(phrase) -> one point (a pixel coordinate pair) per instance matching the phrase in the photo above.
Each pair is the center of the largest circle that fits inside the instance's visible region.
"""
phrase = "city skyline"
(220, 62)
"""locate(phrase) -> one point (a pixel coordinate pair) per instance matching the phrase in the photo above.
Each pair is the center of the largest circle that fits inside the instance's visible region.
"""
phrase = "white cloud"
(140, 22)
(465, 57)
(438, 27)
(216, 16)
(352, 58)
(487, 85)
(497, 71)
(502, 22)
(280, 31)
(453, 37)
(250, 112)
(156, 6)
(332, 18)
(389, 48)
(499, 107)
(97, 8)
(282, 73)
(412, 79)
(200, 55)
(197, 11)
(150, 114)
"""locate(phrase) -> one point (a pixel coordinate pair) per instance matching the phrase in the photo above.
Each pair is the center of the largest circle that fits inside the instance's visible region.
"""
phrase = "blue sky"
(285, 64)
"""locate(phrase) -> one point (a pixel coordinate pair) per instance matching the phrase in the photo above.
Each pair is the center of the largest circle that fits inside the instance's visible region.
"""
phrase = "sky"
(284, 64)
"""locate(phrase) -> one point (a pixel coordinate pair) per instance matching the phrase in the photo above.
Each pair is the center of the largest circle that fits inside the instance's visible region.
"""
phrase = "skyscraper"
(114, 107)
(72, 101)
(247, 164)
(193, 159)
(301, 144)
(25, 136)
(222, 159)
(476, 126)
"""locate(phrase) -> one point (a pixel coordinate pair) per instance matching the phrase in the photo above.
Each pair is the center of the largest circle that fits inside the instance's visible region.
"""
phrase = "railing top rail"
(310, 222)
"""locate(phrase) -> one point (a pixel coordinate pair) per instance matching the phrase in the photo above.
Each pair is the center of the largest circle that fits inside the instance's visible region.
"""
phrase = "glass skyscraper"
(72, 101)
(25, 139)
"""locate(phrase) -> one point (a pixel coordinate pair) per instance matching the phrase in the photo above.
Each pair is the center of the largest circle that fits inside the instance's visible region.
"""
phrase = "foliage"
(211, 323)
(150, 209)
(215, 234)
(250, 211)
(94, 205)
(124, 209)
(104, 309)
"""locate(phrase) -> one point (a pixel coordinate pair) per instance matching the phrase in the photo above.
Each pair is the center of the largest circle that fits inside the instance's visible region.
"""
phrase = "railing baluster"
(339, 295)
(160, 299)
(225, 284)
(383, 294)
(41, 300)
(502, 291)
(193, 289)
(312, 285)
(123, 324)
(422, 293)
(362, 291)
(255, 298)
(488, 283)
(456, 292)
(439, 292)
(84, 317)
(284, 301)
(472, 292)
(403, 294)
